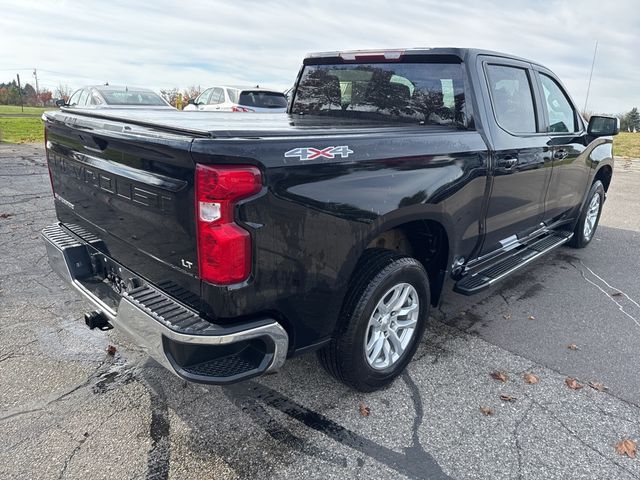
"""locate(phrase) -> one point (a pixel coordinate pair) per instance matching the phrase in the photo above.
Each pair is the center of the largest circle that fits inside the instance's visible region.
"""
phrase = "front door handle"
(560, 154)
(508, 162)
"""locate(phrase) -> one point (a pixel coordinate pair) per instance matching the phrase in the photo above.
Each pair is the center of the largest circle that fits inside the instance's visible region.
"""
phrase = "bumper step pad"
(224, 367)
(476, 282)
(170, 313)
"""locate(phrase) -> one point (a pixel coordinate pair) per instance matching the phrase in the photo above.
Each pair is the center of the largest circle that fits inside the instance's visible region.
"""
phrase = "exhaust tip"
(97, 319)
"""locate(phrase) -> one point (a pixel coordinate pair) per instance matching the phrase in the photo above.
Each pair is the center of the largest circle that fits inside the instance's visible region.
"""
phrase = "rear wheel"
(383, 318)
(589, 217)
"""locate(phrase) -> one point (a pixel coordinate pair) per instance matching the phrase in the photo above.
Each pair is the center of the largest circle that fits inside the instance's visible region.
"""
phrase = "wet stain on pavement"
(114, 377)
(159, 456)
(532, 291)
(414, 462)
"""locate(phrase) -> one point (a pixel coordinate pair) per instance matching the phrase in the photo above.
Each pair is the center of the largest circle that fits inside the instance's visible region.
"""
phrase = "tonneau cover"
(246, 125)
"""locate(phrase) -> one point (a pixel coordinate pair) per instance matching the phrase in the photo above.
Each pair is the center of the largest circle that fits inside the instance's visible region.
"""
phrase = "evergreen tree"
(633, 119)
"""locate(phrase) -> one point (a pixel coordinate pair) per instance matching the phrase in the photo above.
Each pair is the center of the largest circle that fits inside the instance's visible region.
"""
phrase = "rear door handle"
(560, 154)
(508, 162)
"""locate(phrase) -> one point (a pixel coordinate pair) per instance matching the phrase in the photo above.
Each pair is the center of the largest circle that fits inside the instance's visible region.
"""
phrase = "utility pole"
(590, 75)
(20, 93)
(35, 74)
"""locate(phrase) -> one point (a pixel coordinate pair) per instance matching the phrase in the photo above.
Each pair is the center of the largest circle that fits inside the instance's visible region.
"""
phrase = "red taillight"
(241, 109)
(224, 248)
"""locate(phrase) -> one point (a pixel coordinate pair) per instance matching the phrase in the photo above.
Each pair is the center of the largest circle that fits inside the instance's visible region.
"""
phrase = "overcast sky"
(161, 44)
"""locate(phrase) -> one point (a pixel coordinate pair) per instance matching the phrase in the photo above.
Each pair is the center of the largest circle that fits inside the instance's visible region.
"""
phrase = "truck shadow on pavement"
(275, 414)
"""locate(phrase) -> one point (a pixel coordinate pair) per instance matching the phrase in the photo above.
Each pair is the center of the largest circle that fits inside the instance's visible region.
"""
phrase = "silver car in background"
(238, 99)
(108, 97)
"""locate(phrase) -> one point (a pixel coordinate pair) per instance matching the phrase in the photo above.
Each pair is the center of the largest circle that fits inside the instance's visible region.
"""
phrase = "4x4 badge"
(310, 153)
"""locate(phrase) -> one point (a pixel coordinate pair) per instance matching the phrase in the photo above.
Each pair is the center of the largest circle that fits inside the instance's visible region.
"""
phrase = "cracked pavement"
(69, 410)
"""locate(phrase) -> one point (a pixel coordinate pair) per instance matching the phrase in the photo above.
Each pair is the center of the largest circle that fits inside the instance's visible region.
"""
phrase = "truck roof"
(395, 53)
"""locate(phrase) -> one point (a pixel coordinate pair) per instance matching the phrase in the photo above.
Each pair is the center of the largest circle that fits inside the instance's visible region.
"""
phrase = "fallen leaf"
(486, 411)
(572, 346)
(507, 316)
(530, 378)
(507, 398)
(599, 386)
(531, 317)
(573, 384)
(5, 215)
(111, 350)
(365, 411)
(616, 294)
(500, 376)
(627, 447)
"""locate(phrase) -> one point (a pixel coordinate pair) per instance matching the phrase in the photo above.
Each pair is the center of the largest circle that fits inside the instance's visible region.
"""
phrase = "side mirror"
(61, 103)
(603, 126)
(191, 101)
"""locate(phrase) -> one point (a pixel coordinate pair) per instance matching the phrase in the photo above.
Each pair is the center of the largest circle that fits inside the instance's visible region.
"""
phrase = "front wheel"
(589, 217)
(383, 318)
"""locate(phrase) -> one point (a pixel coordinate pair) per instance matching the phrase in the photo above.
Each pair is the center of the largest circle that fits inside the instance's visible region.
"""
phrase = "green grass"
(626, 144)
(21, 129)
(27, 110)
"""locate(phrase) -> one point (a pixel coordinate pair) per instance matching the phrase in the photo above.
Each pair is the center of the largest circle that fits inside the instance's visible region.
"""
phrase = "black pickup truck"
(225, 243)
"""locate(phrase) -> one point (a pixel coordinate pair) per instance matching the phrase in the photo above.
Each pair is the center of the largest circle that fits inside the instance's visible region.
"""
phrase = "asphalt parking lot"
(70, 410)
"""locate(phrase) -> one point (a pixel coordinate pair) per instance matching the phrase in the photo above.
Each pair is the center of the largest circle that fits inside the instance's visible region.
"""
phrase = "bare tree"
(191, 92)
(170, 95)
(63, 91)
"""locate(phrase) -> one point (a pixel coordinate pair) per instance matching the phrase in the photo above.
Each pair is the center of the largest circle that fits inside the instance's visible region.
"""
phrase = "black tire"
(580, 239)
(378, 271)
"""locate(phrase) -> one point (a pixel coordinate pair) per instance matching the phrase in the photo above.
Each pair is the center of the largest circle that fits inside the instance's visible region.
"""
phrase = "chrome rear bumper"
(171, 332)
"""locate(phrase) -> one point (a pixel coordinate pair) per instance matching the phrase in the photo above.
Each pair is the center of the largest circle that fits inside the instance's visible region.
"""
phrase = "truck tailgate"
(133, 189)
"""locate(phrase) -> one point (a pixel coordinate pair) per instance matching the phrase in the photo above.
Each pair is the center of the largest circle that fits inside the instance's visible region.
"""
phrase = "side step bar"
(476, 282)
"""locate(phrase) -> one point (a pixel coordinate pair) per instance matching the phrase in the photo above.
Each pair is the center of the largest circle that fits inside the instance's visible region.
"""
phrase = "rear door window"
(217, 96)
(512, 98)
(560, 114)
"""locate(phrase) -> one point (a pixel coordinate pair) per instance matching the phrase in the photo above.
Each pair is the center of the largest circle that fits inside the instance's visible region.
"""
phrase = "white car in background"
(237, 99)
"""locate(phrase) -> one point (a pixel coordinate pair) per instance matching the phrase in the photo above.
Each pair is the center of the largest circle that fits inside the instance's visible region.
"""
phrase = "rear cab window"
(424, 92)
(512, 98)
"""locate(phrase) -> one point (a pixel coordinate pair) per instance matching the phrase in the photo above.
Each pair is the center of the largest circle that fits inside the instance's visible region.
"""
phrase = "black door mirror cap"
(602, 126)
(61, 103)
